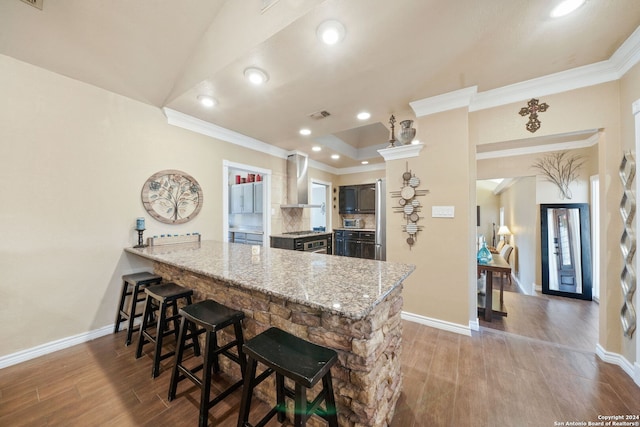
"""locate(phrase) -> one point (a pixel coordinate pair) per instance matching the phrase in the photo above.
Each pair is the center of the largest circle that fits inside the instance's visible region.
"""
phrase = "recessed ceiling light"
(566, 7)
(335, 156)
(207, 100)
(316, 148)
(364, 162)
(364, 115)
(256, 75)
(305, 132)
(331, 32)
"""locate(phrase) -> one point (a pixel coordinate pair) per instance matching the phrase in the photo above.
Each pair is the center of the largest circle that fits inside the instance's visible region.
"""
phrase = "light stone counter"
(346, 286)
(349, 304)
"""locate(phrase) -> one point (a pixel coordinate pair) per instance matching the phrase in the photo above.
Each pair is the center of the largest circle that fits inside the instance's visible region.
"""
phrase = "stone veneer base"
(367, 378)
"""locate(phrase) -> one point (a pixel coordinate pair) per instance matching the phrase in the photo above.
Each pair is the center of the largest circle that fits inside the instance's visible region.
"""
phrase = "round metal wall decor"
(172, 196)
(409, 204)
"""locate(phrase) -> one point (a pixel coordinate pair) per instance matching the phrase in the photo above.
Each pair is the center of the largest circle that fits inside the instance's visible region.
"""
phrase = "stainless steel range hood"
(297, 182)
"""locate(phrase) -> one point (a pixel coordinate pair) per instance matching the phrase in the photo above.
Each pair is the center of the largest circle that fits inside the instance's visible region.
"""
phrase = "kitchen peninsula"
(348, 304)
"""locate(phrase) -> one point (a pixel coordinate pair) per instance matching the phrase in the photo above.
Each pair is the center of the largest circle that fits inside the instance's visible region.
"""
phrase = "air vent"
(319, 115)
(35, 3)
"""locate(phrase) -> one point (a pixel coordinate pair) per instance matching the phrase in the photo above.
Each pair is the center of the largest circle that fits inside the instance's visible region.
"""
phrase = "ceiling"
(165, 53)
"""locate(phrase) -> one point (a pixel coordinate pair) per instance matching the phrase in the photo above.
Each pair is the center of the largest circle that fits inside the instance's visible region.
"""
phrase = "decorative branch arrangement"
(561, 169)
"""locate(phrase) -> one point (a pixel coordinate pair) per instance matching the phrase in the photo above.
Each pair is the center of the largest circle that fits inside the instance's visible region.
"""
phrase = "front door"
(564, 250)
(566, 254)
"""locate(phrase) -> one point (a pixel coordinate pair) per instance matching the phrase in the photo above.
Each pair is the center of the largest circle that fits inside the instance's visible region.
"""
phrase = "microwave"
(352, 222)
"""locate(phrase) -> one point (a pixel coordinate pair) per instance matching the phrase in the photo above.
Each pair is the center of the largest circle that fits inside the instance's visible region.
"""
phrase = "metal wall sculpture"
(628, 244)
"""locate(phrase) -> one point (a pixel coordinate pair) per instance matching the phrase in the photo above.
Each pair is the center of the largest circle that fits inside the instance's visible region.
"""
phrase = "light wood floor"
(488, 379)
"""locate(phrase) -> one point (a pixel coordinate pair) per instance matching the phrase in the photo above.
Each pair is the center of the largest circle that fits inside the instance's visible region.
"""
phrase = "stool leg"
(194, 338)
(162, 324)
(329, 399)
(123, 296)
(205, 390)
(175, 373)
(282, 407)
(237, 327)
(247, 392)
(215, 361)
(132, 312)
(145, 319)
(300, 406)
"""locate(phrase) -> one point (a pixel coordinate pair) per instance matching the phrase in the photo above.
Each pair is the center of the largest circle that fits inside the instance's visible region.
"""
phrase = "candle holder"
(140, 240)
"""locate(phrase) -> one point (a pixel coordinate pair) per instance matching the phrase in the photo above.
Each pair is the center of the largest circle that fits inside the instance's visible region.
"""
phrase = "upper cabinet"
(354, 199)
(242, 198)
(257, 197)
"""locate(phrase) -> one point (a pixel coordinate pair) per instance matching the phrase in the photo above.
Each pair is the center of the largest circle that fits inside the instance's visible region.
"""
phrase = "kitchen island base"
(367, 377)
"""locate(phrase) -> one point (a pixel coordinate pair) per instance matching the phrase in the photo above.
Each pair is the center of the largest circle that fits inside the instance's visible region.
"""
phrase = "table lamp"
(504, 232)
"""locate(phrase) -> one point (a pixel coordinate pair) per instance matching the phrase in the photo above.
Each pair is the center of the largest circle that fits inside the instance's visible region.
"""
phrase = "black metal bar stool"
(208, 317)
(133, 285)
(164, 296)
(301, 361)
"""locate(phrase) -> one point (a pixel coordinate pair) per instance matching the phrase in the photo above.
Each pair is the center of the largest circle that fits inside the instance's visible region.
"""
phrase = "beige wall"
(521, 216)
(489, 205)
(440, 285)
(594, 107)
(74, 158)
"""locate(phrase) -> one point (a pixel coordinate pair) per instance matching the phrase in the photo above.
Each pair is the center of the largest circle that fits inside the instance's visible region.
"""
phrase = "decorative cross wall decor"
(532, 108)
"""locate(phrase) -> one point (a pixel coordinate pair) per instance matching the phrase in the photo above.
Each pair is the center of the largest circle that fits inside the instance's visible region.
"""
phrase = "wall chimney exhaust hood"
(297, 182)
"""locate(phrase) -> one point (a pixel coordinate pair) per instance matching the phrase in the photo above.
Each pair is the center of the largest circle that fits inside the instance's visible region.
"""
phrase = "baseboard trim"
(41, 350)
(436, 323)
(618, 359)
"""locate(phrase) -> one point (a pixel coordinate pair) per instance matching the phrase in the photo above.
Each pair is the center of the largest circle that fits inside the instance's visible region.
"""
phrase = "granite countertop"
(346, 286)
(355, 229)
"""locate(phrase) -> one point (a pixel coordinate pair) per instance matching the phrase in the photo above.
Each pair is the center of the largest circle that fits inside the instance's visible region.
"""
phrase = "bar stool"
(133, 285)
(164, 296)
(208, 317)
(301, 361)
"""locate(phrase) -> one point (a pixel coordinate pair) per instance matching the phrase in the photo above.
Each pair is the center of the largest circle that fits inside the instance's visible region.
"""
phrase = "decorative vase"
(484, 254)
(407, 133)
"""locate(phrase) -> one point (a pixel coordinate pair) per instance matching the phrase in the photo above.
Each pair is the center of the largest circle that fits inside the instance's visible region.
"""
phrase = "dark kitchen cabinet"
(355, 199)
(358, 244)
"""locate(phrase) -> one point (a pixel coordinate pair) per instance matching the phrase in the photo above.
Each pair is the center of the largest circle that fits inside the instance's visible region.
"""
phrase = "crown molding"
(625, 57)
(445, 102)
(628, 54)
(401, 152)
(363, 168)
(544, 148)
(576, 78)
(194, 124)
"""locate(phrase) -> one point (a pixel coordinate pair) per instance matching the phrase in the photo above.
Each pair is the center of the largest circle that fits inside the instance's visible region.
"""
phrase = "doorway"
(320, 220)
(246, 203)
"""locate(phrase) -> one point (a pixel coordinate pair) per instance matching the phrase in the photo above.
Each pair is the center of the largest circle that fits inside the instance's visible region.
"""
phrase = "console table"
(492, 302)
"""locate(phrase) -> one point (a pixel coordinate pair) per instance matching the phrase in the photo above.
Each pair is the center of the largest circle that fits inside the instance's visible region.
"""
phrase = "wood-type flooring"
(492, 378)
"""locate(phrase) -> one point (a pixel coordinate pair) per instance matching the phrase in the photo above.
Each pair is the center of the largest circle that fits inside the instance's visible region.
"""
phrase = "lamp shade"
(504, 231)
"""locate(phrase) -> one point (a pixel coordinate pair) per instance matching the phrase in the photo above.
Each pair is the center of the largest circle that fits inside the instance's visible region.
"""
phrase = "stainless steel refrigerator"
(381, 220)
